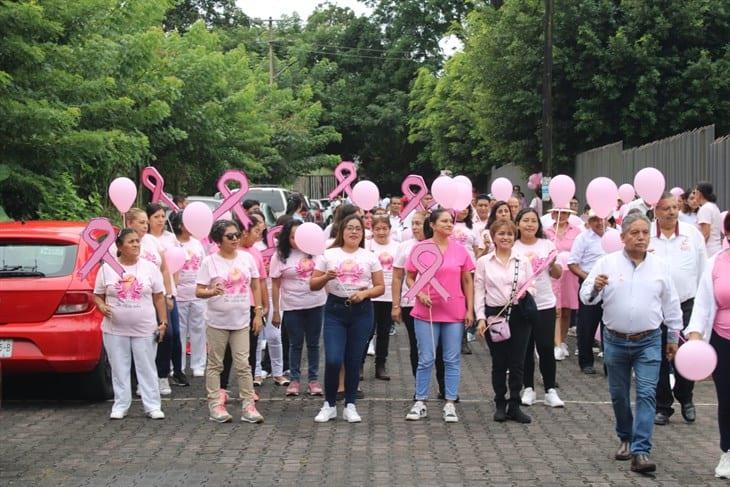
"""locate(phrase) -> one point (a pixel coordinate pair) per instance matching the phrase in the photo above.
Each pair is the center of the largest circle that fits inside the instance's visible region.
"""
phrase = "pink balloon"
(198, 219)
(442, 191)
(465, 181)
(601, 195)
(122, 192)
(310, 238)
(561, 190)
(626, 193)
(695, 360)
(502, 189)
(677, 192)
(461, 193)
(534, 181)
(576, 221)
(611, 242)
(175, 258)
(649, 184)
(365, 195)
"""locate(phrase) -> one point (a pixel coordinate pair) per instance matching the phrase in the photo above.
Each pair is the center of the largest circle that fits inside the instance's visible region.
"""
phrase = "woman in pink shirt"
(442, 321)
(711, 320)
(497, 274)
(297, 310)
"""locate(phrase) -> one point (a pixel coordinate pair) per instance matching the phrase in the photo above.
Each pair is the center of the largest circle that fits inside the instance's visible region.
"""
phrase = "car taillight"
(75, 302)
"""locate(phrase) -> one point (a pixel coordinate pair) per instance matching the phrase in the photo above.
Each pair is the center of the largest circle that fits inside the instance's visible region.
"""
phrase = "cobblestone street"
(54, 443)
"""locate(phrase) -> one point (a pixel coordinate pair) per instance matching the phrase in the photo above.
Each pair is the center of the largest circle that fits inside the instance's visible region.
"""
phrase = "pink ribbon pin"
(157, 186)
(100, 227)
(271, 244)
(344, 180)
(427, 273)
(232, 199)
(414, 199)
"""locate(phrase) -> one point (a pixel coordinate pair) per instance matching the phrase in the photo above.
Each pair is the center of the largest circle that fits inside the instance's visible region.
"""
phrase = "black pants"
(381, 330)
(408, 322)
(170, 348)
(509, 355)
(542, 336)
(682, 387)
(228, 358)
(589, 318)
(721, 376)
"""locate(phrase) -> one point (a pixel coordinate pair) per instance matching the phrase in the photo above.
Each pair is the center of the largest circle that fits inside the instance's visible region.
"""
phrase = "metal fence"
(684, 159)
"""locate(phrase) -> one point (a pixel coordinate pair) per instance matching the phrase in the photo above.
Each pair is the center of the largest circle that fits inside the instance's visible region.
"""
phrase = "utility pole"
(547, 92)
(271, 51)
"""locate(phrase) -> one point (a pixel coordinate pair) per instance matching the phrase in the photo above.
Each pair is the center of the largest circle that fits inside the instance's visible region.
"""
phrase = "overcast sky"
(274, 8)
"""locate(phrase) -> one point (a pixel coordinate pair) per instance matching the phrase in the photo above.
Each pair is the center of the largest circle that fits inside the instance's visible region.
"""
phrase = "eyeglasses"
(233, 236)
(353, 229)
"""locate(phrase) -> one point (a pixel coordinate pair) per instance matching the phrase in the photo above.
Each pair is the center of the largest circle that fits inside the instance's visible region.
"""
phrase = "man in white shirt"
(586, 251)
(638, 294)
(682, 250)
(481, 216)
(394, 212)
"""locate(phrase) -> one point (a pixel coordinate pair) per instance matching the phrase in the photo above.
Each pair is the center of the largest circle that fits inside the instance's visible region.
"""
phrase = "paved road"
(55, 443)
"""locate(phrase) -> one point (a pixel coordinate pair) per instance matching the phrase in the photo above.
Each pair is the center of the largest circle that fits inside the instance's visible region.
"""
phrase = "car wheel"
(97, 384)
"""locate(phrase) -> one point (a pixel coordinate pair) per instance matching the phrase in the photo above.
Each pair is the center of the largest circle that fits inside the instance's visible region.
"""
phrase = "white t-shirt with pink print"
(354, 270)
(232, 309)
(536, 255)
(130, 298)
(386, 256)
(295, 274)
(188, 274)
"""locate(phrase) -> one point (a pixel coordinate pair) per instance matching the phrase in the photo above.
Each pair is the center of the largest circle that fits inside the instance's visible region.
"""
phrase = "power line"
(351, 47)
(358, 56)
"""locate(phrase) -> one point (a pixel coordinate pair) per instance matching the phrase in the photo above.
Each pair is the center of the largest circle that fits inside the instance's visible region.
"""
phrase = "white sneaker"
(566, 351)
(528, 396)
(723, 468)
(371, 347)
(198, 372)
(558, 353)
(552, 399)
(156, 414)
(326, 413)
(118, 414)
(165, 387)
(418, 411)
(450, 413)
(350, 415)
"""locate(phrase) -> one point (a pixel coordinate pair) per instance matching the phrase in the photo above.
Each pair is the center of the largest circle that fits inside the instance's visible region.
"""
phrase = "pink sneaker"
(249, 414)
(224, 396)
(255, 396)
(219, 414)
(315, 388)
(293, 389)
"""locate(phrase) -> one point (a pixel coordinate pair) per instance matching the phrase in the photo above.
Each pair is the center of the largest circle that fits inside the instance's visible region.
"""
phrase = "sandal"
(257, 381)
(281, 381)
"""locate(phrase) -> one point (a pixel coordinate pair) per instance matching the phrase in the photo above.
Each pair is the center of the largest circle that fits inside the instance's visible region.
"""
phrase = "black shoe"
(179, 379)
(624, 451)
(360, 394)
(640, 463)
(500, 415)
(588, 370)
(688, 412)
(380, 373)
(465, 349)
(515, 414)
(661, 418)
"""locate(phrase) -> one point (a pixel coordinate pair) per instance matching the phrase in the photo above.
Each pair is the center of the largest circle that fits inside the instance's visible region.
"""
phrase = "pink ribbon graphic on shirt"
(427, 273)
(344, 180)
(536, 272)
(156, 187)
(271, 244)
(100, 227)
(232, 199)
(414, 199)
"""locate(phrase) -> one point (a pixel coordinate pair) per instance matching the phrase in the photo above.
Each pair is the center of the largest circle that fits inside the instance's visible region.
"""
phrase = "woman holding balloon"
(711, 320)
(438, 320)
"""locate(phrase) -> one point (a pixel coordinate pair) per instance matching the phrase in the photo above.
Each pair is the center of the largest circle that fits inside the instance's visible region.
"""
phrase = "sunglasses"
(233, 236)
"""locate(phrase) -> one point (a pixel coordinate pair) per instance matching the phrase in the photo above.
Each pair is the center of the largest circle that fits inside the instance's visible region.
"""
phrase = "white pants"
(192, 323)
(272, 334)
(120, 350)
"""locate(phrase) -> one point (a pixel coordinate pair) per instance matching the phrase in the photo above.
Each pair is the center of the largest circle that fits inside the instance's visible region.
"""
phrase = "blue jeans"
(449, 335)
(171, 347)
(347, 329)
(643, 356)
(299, 324)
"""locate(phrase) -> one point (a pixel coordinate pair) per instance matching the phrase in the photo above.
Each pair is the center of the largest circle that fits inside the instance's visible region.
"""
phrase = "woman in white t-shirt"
(464, 233)
(384, 249)
(297, 309)
(191, 308)
(130, 304)
(709, 220)
(224, 279)
(540, 252)
(352, 277)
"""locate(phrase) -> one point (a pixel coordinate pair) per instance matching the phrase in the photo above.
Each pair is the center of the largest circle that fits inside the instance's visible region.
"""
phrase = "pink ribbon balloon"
(345, 180)
(271, 244)
(157, 186)
(427, 273)
(232, 200)
(414, 199)
(100, 226)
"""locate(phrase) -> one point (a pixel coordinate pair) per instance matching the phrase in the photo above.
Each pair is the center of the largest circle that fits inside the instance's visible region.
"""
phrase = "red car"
(48, 319)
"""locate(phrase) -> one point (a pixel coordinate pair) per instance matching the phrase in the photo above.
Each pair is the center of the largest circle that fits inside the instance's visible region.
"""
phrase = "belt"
(631, 336)
(345, 301)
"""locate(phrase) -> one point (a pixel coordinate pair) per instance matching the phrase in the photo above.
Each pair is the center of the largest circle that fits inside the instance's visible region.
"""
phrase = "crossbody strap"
(508, 307)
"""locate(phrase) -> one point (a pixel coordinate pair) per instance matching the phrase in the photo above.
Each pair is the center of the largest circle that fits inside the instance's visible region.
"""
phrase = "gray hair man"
(637, 295)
